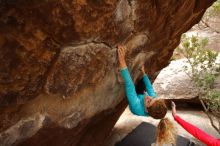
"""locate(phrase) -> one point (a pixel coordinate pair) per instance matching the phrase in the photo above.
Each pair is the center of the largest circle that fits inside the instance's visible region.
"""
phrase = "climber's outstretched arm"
(131, 94)
(149, 87)
(196, 132)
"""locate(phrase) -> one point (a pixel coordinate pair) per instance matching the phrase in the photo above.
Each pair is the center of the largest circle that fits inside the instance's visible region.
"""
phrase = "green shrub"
(203, 69)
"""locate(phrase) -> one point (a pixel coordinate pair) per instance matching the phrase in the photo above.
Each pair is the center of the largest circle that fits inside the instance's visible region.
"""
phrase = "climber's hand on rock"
(121, 56)
(143, 69)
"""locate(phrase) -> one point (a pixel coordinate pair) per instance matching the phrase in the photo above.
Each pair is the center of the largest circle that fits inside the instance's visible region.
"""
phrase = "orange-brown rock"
(58, 63)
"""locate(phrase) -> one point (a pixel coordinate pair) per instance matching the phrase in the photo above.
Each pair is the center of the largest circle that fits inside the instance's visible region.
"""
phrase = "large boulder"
(174, 82)
(58, 63)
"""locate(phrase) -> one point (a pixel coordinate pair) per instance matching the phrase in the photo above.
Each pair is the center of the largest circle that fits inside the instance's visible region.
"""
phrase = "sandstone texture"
(59, 69)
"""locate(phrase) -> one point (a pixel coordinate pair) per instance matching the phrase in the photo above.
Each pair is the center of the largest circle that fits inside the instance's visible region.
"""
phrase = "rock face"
(174, 83)
(209, 29)
(58, 63)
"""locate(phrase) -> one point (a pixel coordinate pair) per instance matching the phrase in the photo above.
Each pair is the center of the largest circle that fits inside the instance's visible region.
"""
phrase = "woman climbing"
(141, 104)
(196, 132)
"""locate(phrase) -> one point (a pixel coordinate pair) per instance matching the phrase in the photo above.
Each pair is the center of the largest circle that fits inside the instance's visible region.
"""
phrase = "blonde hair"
(166, 133)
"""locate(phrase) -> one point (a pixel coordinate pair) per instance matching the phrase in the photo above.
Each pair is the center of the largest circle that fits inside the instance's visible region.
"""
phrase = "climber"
(140, 104)
(196, 132)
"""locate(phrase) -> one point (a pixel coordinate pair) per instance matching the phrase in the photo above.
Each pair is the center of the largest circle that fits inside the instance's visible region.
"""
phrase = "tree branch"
(210, 118)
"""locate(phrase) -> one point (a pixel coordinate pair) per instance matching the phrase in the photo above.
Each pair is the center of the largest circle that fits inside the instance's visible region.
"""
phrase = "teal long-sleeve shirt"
(136, 102)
